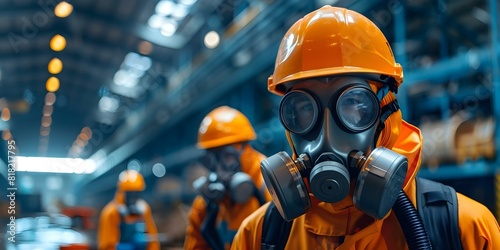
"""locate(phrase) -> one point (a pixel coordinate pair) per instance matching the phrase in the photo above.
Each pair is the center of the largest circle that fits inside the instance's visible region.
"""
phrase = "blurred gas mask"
(225, 177)
(132, 204)
(333, 128)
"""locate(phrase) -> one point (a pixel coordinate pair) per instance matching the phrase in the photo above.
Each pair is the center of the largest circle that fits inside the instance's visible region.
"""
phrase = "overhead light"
(55, 66)
(83, 137)
(132, 93)
(86, 131)
(58, 43)
(134, 165)
(6, 135)
(134, 60)
(79, 143)
(168, 27)
(44, 131)
(180, 12)
(46, 121)
(131, 175)
(84, 142)
(109, 104)
(52, 84)
(63, 9)
(50, 99)
(5, 114)
(165, 8)
(48, 109)
(125, 79)
(145, 47)
(212, 39)
(159, 170)
(54, 165)
(134, 73)
(155, 21)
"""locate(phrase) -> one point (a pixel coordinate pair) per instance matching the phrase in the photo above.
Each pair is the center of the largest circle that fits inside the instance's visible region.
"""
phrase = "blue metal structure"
(495, 67)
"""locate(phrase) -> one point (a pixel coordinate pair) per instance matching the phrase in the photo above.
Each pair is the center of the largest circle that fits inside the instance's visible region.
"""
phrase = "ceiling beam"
(121, 145)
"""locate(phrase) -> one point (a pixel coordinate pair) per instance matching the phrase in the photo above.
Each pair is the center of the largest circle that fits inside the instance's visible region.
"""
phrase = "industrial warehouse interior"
(92, 89)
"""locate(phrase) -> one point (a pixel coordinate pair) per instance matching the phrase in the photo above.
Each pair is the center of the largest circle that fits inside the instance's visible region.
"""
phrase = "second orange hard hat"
(223, 126)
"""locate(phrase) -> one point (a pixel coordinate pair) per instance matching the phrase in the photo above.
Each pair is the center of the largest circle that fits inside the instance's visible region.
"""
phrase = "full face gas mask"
(225, 177)
(132, 205)
(332, 127)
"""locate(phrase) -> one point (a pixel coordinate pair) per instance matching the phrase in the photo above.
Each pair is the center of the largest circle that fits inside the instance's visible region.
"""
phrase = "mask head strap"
(388, 81)
(382, 92)
(385, 112)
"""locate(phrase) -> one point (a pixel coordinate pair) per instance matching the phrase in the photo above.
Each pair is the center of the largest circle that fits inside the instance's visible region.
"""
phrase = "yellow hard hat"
(332, 41)
(223, 126)
(131, 180)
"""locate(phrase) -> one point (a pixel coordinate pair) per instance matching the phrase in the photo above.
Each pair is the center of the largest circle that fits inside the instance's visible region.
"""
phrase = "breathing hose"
(208, 227)
(410, 222)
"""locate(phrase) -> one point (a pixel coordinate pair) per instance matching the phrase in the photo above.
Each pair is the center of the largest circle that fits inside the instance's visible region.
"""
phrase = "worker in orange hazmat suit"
(126, 222)
(351, 181)
(234, 187)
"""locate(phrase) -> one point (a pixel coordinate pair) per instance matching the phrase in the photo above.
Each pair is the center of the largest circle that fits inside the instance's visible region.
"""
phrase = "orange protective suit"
(109, 223)
(230, 215)
(326, 223)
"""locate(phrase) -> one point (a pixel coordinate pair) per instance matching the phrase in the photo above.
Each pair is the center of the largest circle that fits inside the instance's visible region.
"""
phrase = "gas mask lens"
(298, 112)
(357, 108)
(224, 161)
(209, 160)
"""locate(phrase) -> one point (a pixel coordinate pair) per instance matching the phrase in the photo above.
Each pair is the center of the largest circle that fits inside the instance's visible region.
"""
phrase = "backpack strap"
(437, 206)
(275, 229)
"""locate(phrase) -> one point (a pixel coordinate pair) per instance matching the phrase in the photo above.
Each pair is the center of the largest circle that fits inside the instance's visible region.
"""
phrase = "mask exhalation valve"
(329, 181)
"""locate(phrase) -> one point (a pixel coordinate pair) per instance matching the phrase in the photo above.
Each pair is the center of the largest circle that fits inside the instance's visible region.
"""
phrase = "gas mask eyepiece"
(356, 109)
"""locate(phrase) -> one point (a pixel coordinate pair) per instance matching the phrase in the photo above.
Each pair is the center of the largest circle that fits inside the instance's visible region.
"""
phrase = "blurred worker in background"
(234, 188)
(126, 222)
(351, 181)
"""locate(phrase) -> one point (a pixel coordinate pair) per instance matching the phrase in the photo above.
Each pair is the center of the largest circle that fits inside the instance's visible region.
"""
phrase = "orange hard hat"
(336, 41)
(223, 126)
(131, 180)
(332, 41)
